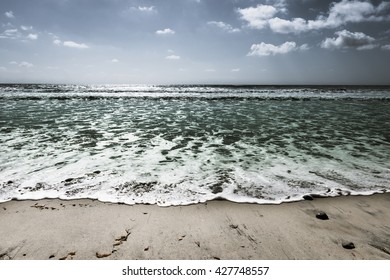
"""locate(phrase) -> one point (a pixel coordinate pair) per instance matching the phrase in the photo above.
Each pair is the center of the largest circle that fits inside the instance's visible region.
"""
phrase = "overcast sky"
(195, 41)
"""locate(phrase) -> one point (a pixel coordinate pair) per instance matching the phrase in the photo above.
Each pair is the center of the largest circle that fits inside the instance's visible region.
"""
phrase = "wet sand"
(88, 229)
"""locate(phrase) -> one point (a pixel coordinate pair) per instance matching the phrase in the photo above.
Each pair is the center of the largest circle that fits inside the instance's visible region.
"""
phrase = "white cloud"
(166, 31)
(279, 25)
(72, 44)
(32, 36)
(340, 13)
(10, 31)
(235, 70)
(26, 28)
(210, 70)
(224, 26)
(386, 47)
(347, 39)
(264, 49)
(57, 42)
(9, 14)
(3, 69)
(304, 47)
(145, 9)
(172, 57)
(10, 34)
(23, 64)
(353, 11)
(26, 64)
(257, 17)
(114, 60)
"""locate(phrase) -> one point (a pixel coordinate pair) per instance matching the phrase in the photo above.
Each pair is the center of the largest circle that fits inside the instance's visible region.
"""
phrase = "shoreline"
(87, 229)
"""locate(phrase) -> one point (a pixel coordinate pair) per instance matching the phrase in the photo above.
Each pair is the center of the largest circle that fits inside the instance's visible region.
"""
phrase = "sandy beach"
(89, 229)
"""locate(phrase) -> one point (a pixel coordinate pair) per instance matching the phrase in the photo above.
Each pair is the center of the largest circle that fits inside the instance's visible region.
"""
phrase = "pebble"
(307, 197)
(322, 216)
(348, 245)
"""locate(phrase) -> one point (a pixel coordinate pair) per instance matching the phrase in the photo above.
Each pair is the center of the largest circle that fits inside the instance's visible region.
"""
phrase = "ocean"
(179, 145)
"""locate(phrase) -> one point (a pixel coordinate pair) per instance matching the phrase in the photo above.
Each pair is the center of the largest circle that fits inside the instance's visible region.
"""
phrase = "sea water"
(177, 145)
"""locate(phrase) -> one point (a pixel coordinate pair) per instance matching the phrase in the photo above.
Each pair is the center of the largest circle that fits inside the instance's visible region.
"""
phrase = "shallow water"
(174, 145)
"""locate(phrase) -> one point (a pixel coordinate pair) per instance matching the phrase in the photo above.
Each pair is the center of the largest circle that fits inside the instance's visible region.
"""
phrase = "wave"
(209, 92)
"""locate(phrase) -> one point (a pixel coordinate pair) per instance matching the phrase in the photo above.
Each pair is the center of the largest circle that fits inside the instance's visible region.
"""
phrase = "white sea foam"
(216, 142)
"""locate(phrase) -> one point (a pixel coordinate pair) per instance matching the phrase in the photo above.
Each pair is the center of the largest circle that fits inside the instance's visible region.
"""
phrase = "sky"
(195, 41)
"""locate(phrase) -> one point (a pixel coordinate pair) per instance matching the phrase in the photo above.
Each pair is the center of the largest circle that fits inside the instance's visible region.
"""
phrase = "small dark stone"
(348, 245)
(322, 216)
(68, 180)
(307, 197)
(288, 171)
(10, 182)
(234, 226)
(51, 256)
(97, 172)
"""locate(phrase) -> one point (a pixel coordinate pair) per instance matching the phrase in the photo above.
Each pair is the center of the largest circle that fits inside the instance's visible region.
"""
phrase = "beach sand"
(89, 229)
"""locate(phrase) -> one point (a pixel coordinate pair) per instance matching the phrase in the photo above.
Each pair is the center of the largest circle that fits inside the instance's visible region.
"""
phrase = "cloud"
(57, 42)
(172, 57)
(72, 44)
(264, 49)
(166, 31)
(26, 28)
(10, 34)
(340, 13)
(304, 47)
(296, 25)
(224, 26)
(350, 11)
(210, 70)
(32, 36)
(257, 17)
(386, 47)
(235, 70)
(10, 31)
(9, 14)
(114, 60)
(347, 39)
(25, 64)
(151, 9)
